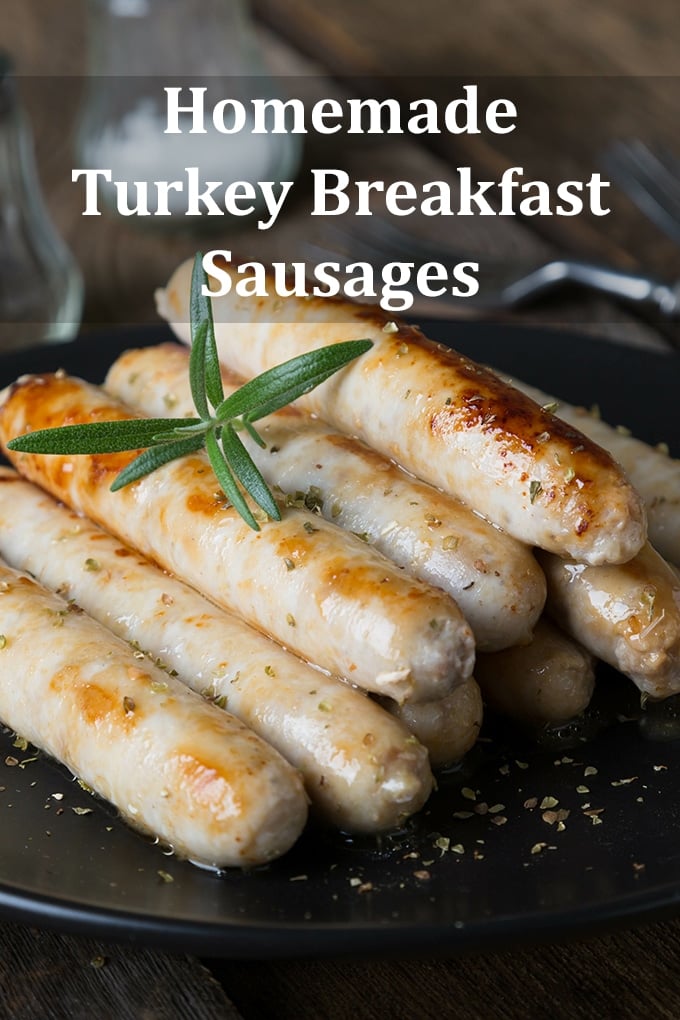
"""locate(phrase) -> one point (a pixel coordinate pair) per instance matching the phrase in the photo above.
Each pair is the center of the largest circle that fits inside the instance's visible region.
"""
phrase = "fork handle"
(634, 288)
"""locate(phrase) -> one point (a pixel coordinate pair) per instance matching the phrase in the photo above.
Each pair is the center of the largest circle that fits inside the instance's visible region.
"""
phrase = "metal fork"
(651, 178)
(503, 283)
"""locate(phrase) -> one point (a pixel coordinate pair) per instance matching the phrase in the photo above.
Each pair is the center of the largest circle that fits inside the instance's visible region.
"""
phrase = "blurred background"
(582, 75)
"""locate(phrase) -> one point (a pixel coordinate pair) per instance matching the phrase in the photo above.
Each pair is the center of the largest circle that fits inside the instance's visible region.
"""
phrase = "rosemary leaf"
(199, 332)
(284, 383)
(252, 432)
(227, 481)
(207, 373)
(194, 427)
(247, 473)
(94, 437)
(155, 457)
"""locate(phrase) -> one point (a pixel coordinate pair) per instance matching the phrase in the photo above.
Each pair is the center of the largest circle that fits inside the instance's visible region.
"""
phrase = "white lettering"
(256, 286)
(375, 110)
(237, 117)
(196, 198)
(324, 275)
(440, 203)
(280, 109)
(594, 187)
(283, 271)
(364, 189)
(538, 201)
(464, 272)
(500, 108)
(508, 183)
(274, 205)
(468, 195)
(123, 206)
(326, 109)
(217, 272)
(163, 189)
(428, 273)
(568, 191)
(91, 203)
(236, 193)
(425, 123)
(467, 108)
(360, 282)
(173, 109)
(397, 192)
(323, 190)
(395, 276)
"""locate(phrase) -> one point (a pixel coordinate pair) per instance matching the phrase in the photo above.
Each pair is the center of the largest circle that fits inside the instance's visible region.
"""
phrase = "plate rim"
(277, 940)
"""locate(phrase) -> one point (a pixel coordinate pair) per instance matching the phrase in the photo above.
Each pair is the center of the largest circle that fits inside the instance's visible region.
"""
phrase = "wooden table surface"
(582, 73)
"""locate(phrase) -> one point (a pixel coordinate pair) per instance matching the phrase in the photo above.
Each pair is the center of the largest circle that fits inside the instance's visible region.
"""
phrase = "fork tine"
(651, 180)
(657, 167)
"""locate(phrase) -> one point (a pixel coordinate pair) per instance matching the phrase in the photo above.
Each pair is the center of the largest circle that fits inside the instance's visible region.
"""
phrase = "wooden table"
(548, 55)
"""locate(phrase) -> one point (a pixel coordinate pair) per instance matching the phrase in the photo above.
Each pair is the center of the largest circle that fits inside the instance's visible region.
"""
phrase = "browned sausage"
(450, 421)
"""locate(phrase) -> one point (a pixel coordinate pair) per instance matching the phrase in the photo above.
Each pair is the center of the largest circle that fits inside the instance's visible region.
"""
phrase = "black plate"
(447, 883)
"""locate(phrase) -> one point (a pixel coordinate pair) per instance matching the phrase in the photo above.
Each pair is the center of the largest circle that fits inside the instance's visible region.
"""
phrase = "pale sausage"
(449, 727)
(316, 722)
(174, 765)
(546, 682)
(628, 615)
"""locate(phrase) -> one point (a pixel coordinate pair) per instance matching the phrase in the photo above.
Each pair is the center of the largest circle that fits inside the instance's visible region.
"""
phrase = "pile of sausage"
(213, 681)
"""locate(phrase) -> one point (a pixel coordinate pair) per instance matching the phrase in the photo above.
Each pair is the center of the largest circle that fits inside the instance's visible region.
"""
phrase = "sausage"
(655, 474)
(494, 579)
(173, 765)
(449, 727)
(628, 616)
(441, 416)
(357, 615)
(316, 722)
(548, 681)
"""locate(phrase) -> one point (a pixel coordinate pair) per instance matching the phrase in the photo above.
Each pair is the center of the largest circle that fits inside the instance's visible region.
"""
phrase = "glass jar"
(41, 288)
(137, 48)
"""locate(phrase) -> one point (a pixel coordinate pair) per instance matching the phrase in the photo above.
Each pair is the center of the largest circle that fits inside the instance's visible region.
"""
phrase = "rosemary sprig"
(218, 421)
